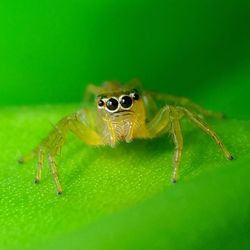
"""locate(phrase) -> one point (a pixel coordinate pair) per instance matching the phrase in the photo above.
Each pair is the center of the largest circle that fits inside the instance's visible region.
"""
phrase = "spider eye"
(112, 104)
(126, 101)
(135, 94)
(100, 103)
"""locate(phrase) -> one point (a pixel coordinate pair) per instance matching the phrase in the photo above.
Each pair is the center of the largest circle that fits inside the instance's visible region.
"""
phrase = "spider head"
(120, 103)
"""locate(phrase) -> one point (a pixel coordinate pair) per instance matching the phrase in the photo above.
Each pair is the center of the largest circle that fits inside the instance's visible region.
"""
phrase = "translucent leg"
(53, 143)
(167, 120)
(202, 125)
(185, 102)
(54, 173)
(178, 141)
(40, 165)
(160, 123)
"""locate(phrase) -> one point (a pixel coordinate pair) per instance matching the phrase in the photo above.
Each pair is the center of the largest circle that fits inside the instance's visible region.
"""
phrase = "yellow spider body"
(122, 113)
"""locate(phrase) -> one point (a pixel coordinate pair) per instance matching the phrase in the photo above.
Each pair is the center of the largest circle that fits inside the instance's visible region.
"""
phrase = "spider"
(123, 113)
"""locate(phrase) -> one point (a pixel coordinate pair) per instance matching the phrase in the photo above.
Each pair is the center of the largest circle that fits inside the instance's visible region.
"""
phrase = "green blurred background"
(50, 51)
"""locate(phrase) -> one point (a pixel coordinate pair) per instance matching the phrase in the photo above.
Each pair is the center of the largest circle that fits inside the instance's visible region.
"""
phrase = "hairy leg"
(185, 102)
(40, 164)
(53, 168)
(202, 125)
(150, 104)
(167, 120)
(160, 124)
(178, 141)
(53, 143)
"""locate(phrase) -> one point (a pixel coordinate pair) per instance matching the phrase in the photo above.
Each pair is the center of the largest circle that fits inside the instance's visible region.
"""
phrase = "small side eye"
(100, 103)
(135, 95)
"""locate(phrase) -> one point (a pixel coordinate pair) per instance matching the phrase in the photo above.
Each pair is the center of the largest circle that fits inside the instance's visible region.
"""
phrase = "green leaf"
(123, 198)
(209, 212)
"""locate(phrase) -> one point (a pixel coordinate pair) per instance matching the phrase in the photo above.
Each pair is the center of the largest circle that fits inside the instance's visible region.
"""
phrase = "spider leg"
(178, 141)
(160, 123)
(53, 168)
(167, 120)
(53, 143)
(40, 164)
(185, 102)
(37, 151)
(150, 104)
(202, 125)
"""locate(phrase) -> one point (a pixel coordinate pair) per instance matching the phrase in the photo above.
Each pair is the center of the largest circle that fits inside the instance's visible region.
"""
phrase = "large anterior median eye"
(112, 104)
(126, 101)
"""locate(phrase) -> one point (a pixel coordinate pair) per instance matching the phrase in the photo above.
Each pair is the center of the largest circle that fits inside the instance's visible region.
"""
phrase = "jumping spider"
(122, 113)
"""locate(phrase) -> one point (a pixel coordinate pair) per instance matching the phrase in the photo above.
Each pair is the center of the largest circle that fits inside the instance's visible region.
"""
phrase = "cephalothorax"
(124, 113)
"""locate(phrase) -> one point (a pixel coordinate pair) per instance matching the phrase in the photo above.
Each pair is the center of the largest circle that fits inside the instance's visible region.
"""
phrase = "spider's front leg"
(167, 120)
(53, 143)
